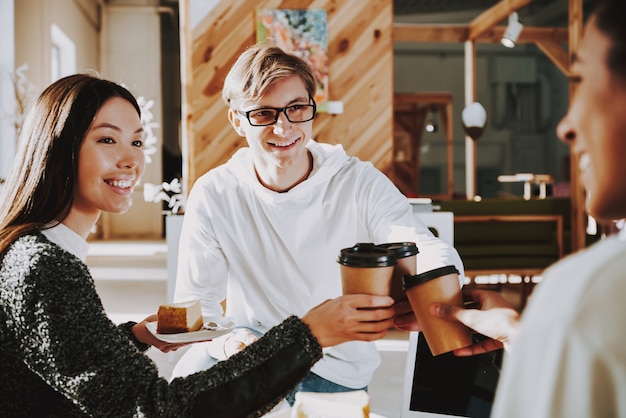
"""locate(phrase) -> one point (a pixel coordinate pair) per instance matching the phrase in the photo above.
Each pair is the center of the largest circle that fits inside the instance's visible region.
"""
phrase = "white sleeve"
(568, 359)
(549, 375)
(202, 269)
(391, 219)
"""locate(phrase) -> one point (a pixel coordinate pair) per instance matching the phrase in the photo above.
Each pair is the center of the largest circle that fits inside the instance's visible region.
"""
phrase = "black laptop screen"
(460, 386)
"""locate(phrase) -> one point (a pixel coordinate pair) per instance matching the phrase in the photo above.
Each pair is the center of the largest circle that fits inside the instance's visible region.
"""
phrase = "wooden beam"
(557, 55)
(410, 32)
(528, 35)
(415, 106)
(400, 99)
(186, 75)
(494, 15)
(407, 32)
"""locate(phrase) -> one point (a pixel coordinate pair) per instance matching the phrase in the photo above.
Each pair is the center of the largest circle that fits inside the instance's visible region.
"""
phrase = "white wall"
(25, 38)
(33, 21)
(121, 41)
(131, 55)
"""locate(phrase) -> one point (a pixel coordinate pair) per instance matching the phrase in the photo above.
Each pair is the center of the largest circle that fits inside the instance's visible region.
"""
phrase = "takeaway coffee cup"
(406, 254)
(366, 269)
(440, 285)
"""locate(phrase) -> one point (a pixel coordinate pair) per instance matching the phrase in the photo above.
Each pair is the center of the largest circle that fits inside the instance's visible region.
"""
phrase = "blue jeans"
(315, 383)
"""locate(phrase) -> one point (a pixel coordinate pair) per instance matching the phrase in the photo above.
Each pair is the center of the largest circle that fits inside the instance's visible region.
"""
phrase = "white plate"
(216, 348)
(224, 326)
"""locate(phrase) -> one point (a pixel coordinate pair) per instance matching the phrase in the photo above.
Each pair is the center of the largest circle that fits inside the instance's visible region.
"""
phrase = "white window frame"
(62, 54)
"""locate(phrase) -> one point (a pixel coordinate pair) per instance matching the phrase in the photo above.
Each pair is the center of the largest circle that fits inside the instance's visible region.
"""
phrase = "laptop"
(447, 385)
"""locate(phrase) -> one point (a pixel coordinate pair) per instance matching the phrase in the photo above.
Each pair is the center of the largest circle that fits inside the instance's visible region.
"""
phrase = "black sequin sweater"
(60, 355)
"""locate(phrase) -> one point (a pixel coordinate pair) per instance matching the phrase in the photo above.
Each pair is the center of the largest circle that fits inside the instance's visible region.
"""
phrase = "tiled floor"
(131, 280)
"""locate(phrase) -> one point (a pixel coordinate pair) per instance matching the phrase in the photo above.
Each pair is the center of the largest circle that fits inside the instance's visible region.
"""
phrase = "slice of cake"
(180, 317)
(355, 404)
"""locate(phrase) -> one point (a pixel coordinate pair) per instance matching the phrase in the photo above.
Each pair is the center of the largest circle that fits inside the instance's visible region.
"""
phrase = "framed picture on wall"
(303, 33)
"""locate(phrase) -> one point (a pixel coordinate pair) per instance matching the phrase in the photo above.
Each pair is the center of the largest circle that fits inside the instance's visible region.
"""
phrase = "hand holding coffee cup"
(439, 285)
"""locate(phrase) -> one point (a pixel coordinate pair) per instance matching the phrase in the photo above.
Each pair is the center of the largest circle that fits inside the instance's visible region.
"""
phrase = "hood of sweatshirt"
(327, 161)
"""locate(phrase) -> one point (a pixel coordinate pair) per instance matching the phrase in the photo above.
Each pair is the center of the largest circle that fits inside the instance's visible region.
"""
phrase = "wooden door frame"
(418, 103)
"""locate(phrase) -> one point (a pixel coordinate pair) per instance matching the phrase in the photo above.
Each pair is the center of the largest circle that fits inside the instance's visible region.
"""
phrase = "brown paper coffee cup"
(406, 254)
(366, 269)
(437, 286)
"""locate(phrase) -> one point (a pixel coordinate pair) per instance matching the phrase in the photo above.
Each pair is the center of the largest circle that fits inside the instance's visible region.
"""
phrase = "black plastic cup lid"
(366, 255)
(401, 249)
(409, 281)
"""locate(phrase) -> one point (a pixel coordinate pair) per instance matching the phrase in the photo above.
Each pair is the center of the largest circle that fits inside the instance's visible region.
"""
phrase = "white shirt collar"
(69, 240)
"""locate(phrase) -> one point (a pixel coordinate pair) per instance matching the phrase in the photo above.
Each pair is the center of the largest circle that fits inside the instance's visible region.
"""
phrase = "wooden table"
(529, 179)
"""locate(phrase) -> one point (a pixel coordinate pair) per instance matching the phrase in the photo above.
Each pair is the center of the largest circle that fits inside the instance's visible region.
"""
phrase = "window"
(62, 54)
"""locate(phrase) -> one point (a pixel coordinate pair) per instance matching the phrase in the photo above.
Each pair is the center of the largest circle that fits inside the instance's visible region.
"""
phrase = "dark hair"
(611, 20)
(39, 190)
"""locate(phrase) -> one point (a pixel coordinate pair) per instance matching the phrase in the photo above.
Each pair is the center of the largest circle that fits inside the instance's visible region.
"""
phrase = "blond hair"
(260, 66)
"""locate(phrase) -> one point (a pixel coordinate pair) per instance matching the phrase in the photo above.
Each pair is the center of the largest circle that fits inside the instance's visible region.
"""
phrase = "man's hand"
(350, 317)
(405, 317)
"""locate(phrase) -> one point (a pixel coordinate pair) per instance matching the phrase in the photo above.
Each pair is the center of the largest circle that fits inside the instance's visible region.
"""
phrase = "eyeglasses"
(265, 116)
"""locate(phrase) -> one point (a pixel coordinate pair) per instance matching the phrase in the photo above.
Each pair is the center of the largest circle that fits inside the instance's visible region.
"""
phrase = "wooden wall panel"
(360, 53)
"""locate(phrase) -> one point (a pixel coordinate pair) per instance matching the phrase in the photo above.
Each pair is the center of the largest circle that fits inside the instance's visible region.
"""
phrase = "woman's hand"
(350, 317)
(491, 316)
(145, 336)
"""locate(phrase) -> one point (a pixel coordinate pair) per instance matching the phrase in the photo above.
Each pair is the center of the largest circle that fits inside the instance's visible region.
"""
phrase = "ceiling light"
(431, 121)
(512, 31)
(474, 117)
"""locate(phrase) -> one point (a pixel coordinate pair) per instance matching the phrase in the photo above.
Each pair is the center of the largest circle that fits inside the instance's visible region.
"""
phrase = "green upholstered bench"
(510, 236)
(509, 242)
